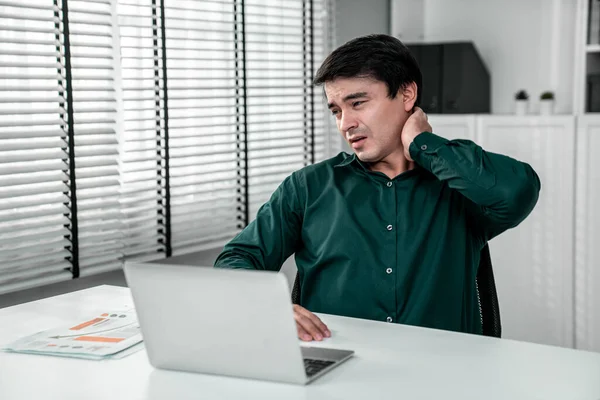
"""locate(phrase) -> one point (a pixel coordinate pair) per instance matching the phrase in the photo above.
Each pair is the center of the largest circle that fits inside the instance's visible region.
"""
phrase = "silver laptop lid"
(217, 321)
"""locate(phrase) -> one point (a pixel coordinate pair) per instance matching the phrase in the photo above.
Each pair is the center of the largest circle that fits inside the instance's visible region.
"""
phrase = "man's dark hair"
(381, 57)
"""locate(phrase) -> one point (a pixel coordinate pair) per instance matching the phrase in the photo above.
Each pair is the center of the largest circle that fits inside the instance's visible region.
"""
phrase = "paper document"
(104, 336)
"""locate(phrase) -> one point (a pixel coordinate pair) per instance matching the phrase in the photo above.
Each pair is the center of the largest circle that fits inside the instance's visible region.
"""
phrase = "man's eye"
(334, 112)
(357, 103)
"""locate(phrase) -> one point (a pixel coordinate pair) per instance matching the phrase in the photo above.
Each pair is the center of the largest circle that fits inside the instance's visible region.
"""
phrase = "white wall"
(407, 20)
(525, 44)
(356, 18)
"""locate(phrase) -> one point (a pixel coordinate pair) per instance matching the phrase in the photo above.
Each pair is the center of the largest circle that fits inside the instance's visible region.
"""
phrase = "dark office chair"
(486, 291)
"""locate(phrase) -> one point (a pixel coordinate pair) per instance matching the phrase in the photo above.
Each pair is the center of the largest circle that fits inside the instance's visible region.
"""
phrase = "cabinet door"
(454, 126)
(587, 235)
(533, 263)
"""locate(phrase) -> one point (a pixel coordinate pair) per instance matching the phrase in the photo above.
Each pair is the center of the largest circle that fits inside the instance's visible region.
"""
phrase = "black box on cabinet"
(455, 79)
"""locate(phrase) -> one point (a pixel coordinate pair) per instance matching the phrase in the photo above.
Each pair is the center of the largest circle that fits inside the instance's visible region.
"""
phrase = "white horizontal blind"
(33, 173)
(205, 123)
(323, 43)
(142, 137)
(94, 115)
(284, 112)
(150, 128)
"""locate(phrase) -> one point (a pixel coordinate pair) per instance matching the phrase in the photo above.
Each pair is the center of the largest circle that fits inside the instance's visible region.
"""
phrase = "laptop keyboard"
(313, 366)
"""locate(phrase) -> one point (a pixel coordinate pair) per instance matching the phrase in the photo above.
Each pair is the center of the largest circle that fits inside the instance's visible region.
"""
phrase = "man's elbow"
(230, 258)
(522, 195)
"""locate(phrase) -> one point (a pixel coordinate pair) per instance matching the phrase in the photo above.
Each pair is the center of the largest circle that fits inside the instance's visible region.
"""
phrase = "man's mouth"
(357, 141)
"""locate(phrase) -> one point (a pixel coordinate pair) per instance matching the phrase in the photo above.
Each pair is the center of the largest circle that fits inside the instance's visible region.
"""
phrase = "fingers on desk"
(309, 326)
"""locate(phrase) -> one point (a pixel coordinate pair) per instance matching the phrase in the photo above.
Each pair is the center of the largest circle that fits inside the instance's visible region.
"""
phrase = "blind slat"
(182, 238)
(47, 278)
(12, 203)
(32, 238)
(35, 263)
(25, 213)
(24, 168)
(49, 177)
(14, 156)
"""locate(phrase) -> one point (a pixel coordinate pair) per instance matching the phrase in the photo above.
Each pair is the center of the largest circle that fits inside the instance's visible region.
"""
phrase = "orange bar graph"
(99, 339)
(86, 324)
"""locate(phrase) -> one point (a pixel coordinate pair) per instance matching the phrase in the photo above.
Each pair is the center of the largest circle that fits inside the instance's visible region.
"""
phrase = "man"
(393, 232)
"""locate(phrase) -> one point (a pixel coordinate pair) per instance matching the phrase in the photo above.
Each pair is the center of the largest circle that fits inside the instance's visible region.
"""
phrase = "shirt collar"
(347, 161)
(352, 159)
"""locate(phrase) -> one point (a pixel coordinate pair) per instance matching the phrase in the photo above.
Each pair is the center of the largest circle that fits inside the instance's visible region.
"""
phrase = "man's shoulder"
(323, 168)
(315, 175)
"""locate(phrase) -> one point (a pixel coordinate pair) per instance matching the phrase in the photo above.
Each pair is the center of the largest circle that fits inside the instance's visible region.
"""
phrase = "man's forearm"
(271, 238)
(245, 251)
(504, 188)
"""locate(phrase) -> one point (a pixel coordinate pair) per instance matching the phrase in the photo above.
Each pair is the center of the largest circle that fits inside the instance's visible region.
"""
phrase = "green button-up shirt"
(405, 249)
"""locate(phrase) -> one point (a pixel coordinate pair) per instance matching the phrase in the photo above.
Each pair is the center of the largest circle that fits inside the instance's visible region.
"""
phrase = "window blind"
(286, 123)
(142, 144)
(205, 122)
(34, 212)
(100, 230)
(144, 128)
(323, 43)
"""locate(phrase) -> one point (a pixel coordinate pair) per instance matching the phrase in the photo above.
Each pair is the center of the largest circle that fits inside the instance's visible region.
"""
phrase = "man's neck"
(392, 166)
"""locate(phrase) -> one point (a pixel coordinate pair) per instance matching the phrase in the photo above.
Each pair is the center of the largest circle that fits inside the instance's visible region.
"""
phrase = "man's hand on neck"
(415, 125)
(401, 161)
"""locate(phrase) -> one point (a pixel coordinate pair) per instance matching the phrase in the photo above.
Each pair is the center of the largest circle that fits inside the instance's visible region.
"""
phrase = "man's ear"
(408, 95)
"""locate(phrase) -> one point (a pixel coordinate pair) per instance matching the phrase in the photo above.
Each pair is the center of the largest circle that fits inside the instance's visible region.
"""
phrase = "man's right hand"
(309, 326)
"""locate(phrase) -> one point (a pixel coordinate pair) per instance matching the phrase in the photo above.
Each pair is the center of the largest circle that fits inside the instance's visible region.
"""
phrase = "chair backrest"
(489, 308)
(488, 296)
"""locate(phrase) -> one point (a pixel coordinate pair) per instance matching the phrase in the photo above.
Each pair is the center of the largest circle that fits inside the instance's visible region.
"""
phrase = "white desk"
(392, 361)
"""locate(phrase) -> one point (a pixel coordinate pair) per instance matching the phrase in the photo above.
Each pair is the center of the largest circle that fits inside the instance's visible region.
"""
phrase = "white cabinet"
(454, 126)
(587, 235)
(533, 263)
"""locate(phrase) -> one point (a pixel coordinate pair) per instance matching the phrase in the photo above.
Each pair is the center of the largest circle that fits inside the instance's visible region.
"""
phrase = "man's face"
(367, 118)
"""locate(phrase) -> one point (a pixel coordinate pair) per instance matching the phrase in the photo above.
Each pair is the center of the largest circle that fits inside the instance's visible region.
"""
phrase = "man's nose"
(348, 122)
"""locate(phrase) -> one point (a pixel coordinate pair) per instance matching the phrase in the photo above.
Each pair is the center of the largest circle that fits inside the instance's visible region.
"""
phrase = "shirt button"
(424, 147)
(389, 319)
(389, 270)
(389, 227)
(389, 184)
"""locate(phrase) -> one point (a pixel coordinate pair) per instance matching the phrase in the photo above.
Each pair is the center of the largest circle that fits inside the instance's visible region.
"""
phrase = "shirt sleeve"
(500, 191)
(272, 237)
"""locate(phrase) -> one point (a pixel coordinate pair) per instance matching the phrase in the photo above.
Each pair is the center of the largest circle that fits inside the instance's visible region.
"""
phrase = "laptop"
(236, 323)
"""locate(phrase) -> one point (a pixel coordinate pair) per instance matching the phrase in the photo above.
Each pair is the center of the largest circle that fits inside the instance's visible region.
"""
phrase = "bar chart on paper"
(108, 335)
